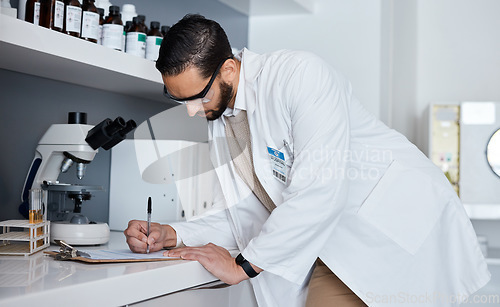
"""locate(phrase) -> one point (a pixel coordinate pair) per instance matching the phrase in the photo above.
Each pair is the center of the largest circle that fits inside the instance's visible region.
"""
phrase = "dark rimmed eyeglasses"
(203, 93)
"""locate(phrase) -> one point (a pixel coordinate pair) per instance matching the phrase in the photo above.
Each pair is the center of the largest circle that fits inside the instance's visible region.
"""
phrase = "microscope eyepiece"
(108, 133)
(120, 135)
(117, 125)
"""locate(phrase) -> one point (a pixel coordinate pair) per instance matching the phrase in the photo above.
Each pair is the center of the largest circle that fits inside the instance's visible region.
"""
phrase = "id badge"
(278, 164)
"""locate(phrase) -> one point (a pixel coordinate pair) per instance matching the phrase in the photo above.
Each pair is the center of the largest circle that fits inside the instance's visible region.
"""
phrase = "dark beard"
(226, 93)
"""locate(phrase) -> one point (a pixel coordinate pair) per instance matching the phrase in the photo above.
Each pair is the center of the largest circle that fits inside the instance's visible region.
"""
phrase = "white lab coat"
(358, 195)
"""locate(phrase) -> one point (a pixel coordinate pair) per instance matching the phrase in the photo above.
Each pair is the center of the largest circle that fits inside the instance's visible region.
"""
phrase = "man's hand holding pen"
(160, 236)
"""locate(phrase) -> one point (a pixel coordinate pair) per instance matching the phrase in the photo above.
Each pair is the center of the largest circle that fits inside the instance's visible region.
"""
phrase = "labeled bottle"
(128, 26)
(124, 36)
(164, 30)
(90, 21)
(72, 18)
(142, 22)
(101, 22)
(153, 41)
(136, 37)
(112, 29)
(33, 9)
(52, 14)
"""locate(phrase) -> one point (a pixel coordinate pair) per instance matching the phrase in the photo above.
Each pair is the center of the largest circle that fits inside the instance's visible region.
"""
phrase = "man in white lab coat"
(327, 205)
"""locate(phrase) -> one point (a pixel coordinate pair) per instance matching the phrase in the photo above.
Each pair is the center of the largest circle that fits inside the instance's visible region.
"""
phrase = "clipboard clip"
(67, 252)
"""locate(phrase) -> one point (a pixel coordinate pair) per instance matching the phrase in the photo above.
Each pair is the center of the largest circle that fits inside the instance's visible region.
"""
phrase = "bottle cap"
(129, 8)
(114, 10)
(141, 18)
(101, 12)
(155, 25)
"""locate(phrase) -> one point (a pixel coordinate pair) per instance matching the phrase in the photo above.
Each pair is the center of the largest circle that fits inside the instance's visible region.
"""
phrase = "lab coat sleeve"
(211, 227)
(313, 99)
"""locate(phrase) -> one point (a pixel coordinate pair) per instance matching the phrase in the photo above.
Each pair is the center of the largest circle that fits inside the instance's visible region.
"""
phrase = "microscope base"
(79, 234)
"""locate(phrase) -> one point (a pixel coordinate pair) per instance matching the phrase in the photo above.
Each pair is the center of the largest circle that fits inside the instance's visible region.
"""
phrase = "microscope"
(60, 147)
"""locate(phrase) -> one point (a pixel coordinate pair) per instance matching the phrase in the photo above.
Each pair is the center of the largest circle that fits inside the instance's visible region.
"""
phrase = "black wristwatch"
(246, 266)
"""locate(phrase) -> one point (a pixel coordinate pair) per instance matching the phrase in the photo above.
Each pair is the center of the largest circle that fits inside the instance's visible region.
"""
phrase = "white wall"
(458, 53)
(347, 34)
(458, 59)
(399, 55)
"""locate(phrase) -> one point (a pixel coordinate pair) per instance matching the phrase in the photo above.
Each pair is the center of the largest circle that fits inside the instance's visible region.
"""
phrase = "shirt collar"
(240, 101)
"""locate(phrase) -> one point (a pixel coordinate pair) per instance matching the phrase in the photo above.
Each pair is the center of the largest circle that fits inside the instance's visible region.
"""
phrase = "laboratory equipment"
(20, 237)
(59, 148)
(493, 152)
(465, 143)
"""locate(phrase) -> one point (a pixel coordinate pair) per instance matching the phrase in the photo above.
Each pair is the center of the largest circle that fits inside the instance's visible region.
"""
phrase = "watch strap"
(247, 267)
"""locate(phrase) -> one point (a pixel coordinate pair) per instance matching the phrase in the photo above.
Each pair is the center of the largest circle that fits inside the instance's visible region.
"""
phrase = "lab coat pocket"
(405, 205)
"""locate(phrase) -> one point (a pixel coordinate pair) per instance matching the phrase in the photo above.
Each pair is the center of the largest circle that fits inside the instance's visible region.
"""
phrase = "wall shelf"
(41, 52)
(276, 7)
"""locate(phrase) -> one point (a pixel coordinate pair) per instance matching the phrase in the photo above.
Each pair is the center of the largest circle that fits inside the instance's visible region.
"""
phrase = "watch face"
(240, 259)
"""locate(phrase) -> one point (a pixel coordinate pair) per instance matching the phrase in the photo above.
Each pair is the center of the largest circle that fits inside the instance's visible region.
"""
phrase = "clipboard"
(68, 252)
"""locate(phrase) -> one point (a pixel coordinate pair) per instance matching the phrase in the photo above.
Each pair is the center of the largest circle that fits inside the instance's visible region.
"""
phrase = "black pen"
(149, 221)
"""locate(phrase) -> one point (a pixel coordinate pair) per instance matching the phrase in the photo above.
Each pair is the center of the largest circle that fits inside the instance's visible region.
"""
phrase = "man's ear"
(229, 70)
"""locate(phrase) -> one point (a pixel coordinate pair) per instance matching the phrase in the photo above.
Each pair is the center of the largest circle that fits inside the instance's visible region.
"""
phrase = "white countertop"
(39, 280)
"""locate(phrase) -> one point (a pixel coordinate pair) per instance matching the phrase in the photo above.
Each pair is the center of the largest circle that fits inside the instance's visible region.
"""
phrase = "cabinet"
(38, 51)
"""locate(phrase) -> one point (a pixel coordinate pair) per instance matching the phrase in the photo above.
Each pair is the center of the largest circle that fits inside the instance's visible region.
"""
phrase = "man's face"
(190, 83)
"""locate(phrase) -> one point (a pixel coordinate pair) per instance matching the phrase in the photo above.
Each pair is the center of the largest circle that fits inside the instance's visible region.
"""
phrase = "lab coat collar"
(251, 66)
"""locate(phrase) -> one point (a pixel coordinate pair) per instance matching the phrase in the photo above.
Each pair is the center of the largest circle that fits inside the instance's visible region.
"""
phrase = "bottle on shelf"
(103, 4)
(128, 12)
(90, 21)
(153, 41)
(32, 12)
(101, 22)
(142, 22)
(136, 37)
(124, 36)
(72, 18)
(112, 30)
(128, 26)
(164, 30)
(52, 14)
